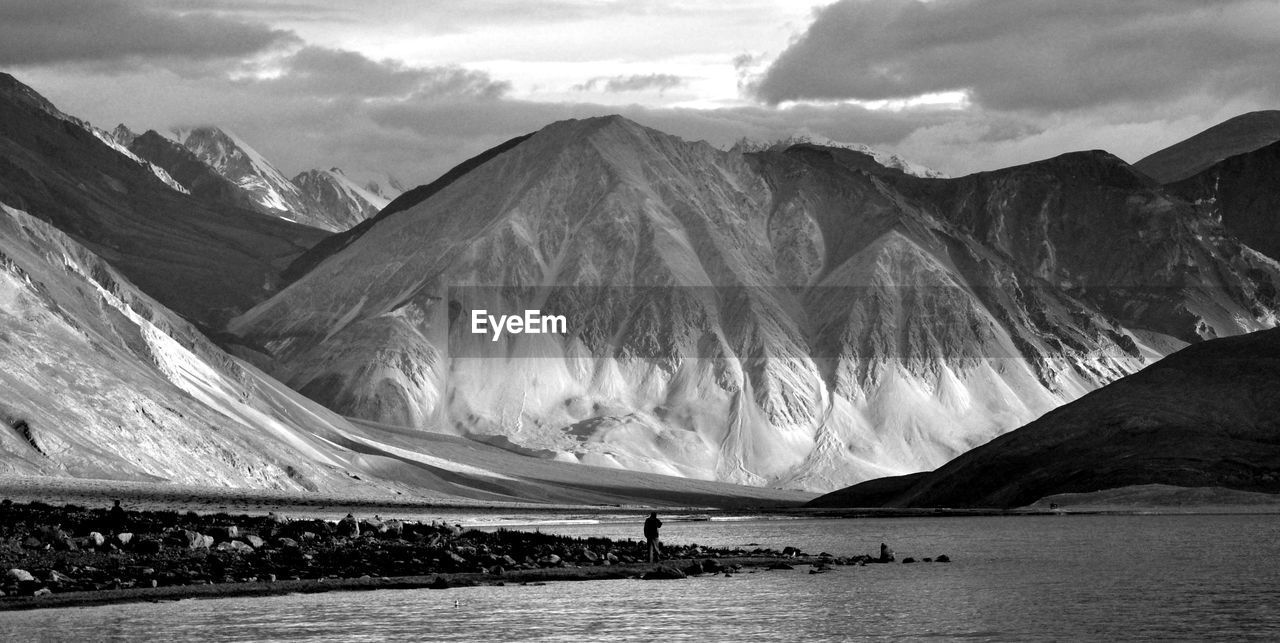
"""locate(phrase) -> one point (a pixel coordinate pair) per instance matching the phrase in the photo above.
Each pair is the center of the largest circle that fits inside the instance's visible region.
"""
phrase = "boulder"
(43, 591)
(942, 559)
(124, 538)
(33, 543)
(908, 560)
(550, 560)
(16, 575)
(96, 540)
(253, 541)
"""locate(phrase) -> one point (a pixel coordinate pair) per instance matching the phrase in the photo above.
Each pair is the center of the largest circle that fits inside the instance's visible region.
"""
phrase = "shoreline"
(54, 556)
(441, 581)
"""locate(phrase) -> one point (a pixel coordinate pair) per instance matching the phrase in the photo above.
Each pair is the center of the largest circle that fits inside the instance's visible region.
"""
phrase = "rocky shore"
(53, 556)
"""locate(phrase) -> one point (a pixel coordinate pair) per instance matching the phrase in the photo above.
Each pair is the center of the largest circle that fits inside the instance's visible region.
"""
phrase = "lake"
(1154, 577)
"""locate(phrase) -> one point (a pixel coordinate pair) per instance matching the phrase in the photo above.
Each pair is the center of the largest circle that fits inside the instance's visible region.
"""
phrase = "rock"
(234, 547)
(206, 541)
(942, 559)
(43, 591)
(588, 555)
(348, 527)
(550, 559)
(287, 543)
(711, 566)
(791, 552)
(908, 560)
(927, 560)
(16, 575)
(253, 541)
(664, 573)
(187, 539)
(611, 557)
(268, 578)
(96, 540)
(456, 558)
(124, 538)
(438, 583)
(60, 578)
(33, 543)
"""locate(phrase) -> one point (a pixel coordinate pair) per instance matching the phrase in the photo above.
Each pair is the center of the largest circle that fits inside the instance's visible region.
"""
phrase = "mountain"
(1206, 416)
(198, 178)
(1238, 135)
(1243, 191)
(322, 199)
(1076, 220)
(205, 261)
(101, 381)
(335, 200)
(802, 317)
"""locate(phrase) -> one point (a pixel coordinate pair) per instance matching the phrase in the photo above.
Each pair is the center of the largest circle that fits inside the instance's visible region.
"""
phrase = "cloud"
(1035, 55)
(328, 73)
(105, 32)
(634, 83)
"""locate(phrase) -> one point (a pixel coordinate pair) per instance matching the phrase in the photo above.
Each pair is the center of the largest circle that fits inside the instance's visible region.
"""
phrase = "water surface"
(1013, 578)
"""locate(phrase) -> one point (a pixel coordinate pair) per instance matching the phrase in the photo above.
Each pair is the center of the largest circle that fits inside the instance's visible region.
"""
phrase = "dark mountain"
(1207, 416)
(1244, 192)
(1238, 135)
(206, 261)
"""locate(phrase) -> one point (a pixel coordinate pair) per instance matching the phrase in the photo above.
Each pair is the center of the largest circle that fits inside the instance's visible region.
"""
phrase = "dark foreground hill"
(1206, 416)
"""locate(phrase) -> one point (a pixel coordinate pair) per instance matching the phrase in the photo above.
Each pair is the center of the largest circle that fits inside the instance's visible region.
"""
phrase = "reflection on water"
(1079, 577)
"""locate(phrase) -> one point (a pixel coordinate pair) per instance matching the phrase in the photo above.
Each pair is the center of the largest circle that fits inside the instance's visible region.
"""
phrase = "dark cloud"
(1040, 55)
(103, 32)
(329, 73)
(634, 83)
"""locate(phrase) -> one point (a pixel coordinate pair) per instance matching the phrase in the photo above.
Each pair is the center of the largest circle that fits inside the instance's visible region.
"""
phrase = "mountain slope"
(1238, 135)
(1207, 416)
(790, 317)
(205, 261)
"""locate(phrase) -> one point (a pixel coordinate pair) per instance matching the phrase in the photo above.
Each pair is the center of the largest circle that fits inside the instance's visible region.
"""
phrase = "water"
(1014, 578)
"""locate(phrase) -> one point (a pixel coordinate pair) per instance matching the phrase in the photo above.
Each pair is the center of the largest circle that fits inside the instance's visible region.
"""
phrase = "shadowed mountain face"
(1207, 416)
(206, 261)
(1238, 135)
(1244, 192)
(802, 318)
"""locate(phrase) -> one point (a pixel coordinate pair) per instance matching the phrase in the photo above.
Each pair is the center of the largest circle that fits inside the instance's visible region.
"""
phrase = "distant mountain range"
(800, 316)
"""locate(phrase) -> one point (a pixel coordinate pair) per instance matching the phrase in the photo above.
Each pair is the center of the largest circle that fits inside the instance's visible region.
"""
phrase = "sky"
(412, 87)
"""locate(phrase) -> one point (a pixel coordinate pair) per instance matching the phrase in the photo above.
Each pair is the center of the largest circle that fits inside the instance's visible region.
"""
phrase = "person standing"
(651, 526)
